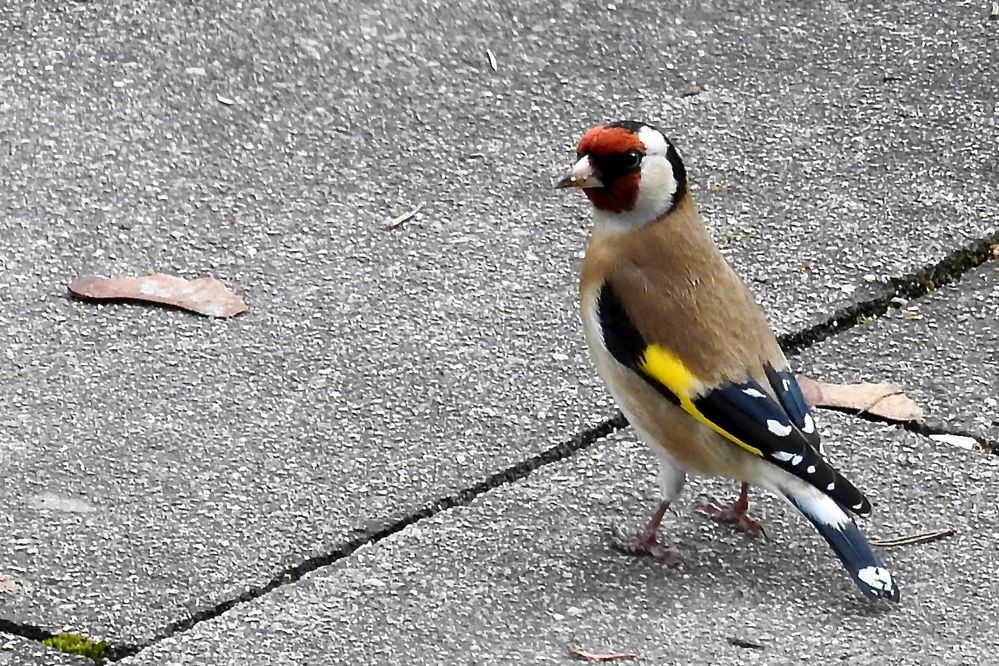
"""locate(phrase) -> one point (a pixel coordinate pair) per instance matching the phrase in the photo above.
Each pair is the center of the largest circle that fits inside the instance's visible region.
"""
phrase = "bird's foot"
(737, 515)
(642, 544)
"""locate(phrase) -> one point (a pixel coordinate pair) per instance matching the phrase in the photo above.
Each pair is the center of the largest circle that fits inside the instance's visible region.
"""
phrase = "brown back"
(681, 293)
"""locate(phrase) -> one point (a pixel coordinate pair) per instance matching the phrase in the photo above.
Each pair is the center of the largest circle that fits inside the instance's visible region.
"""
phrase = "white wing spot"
(831, 486)
(877, 577)
(858, 507)
(782, 455)
(811, 469)
(778, 428)
(809, 426)
(796, 460)
(753, 393)
(787, 385)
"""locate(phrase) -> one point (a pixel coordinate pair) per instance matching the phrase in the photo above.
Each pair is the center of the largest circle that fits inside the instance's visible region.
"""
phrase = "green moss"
(77, 644)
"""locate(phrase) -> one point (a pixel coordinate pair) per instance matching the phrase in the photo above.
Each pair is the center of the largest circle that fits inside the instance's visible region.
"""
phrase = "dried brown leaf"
(810, 390)
(580, 653)
(885, 400)
(205, 295)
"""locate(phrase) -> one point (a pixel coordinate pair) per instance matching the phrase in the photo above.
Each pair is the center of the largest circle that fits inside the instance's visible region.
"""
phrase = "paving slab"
(524, 571)
(17, 651)
(155, 464)
(944, 346)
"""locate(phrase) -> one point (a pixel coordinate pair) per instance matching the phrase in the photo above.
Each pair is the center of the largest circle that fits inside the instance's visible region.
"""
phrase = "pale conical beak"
(582, 174)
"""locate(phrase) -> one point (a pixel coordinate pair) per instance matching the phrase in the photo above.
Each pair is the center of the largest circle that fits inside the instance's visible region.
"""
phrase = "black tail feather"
(850, 545)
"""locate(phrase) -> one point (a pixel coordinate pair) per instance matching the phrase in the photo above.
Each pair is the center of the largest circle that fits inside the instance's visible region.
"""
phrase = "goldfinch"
(688, 355)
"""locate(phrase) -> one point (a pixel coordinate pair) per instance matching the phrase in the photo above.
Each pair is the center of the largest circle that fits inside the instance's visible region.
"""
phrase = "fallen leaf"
(405, 217)
(885, 400)
(204, 295)
(580, 653)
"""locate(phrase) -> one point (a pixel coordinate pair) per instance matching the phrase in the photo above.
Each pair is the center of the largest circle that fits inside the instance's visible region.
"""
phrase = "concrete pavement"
(525, 571)
(945, 346)
(160, 468)
(17, 651)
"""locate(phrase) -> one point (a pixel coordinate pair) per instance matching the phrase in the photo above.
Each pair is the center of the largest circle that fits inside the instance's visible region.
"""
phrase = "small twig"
(743, 643)
(491, 57)
(580, 653)
(405, 217)
(922, 537)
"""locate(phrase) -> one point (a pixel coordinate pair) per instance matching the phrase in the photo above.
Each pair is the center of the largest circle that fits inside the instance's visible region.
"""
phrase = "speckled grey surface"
(17, 651)
(942, 349)
(523, 571)
(155, 463)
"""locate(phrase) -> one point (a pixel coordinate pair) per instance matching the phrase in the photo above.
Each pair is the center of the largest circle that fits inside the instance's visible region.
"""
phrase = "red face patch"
(606, 147)
(601, 141)
(620, 197)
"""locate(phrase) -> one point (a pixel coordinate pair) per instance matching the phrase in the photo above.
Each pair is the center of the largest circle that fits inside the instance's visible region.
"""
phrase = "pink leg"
(737, 514)
(646, 542)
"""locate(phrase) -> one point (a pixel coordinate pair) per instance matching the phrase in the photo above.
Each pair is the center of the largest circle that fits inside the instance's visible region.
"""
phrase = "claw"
(737, 514)
(630, 544)
(646, 542)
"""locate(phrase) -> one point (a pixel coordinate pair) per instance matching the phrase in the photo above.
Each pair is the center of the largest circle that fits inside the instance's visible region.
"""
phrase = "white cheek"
(657, 186)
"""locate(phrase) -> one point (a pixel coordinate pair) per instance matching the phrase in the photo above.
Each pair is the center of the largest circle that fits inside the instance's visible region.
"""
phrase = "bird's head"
(630, 172)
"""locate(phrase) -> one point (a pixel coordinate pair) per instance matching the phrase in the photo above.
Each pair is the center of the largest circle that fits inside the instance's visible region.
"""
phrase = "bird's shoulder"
(703, 314)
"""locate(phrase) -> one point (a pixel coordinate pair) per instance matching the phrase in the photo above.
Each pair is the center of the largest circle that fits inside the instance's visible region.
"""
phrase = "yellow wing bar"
(666, 368)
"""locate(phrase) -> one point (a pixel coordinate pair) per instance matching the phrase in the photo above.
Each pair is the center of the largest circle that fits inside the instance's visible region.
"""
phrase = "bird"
(687, 353)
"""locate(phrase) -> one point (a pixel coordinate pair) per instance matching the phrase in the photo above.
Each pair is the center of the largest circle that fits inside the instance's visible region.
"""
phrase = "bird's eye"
(632, 159)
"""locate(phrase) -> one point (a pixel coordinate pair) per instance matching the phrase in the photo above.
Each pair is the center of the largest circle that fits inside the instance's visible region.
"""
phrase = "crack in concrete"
(910, 287)
(33, 633)
(926, 429)
(922, 427)
(462, 497)
(24, 630)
